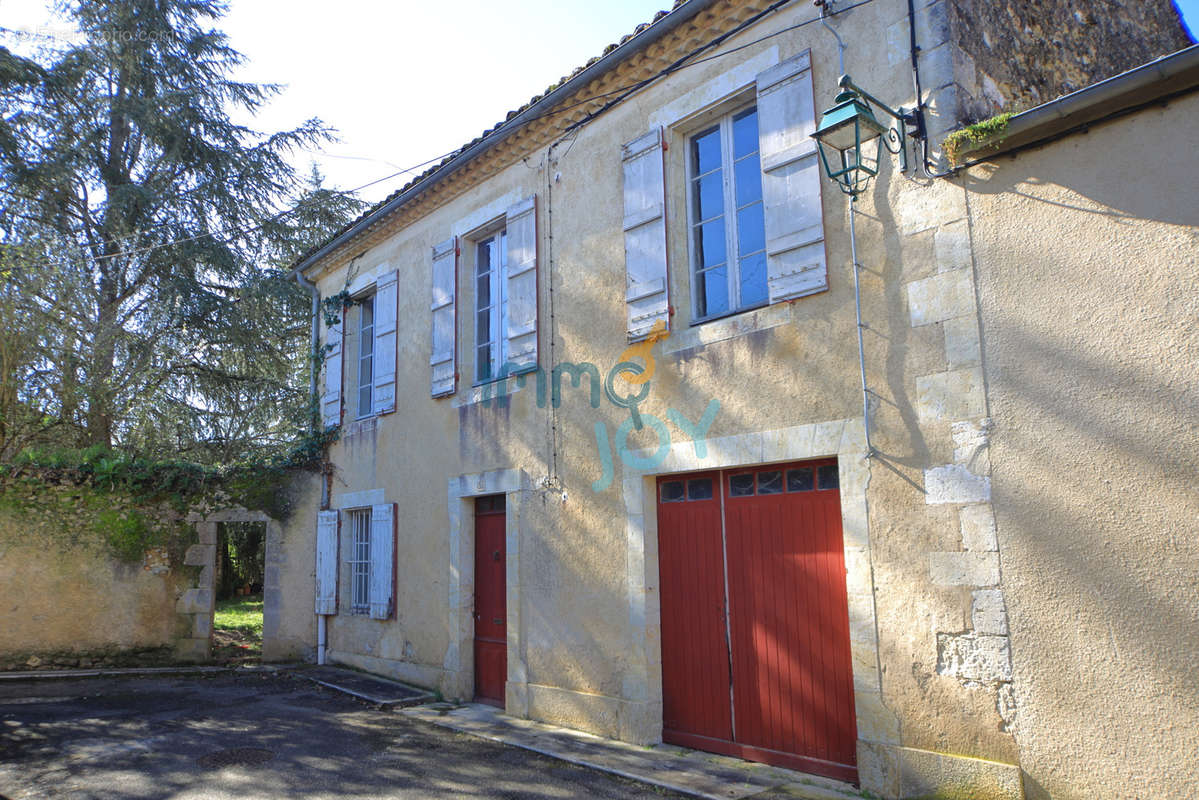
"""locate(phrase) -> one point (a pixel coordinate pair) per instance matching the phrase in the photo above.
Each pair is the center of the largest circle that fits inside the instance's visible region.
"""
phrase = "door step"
(689, 772)
(381, 692)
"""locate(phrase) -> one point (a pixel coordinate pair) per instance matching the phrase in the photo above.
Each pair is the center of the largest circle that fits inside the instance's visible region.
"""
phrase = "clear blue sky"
(409, 80)
(1190, 16)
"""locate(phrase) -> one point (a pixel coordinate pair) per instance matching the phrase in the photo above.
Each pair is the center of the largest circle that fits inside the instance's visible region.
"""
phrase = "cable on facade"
(623, 93)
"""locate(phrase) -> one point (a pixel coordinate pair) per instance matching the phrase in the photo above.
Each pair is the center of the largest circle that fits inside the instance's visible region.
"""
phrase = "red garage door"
(755, 624)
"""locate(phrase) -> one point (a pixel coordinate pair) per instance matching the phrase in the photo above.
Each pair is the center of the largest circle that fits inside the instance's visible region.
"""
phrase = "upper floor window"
(366, 356)
(491, 306)
(728, 232)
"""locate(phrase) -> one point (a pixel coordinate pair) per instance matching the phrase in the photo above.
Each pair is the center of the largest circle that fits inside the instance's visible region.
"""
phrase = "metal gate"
(755, 621)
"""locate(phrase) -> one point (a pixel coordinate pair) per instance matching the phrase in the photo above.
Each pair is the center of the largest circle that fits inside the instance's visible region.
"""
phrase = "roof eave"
(653, 33)
(1165, 77)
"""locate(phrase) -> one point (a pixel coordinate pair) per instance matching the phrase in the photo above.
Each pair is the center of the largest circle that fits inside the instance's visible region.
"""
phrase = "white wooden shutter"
(645, 234)
(521, 225)
(331, 400)
(326, 562)
(443, 361)
(795, 263)
(382, 572)
(386, 302)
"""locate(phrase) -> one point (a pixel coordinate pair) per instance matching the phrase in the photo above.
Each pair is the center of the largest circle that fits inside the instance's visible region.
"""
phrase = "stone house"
(612, 454)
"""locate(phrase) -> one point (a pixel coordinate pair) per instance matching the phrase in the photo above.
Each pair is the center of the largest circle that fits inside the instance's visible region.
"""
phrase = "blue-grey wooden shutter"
(521, 225)
(646, 295)
(383, 396)
(331, 400)
(444, 359)
(382, 567)
(795, 264)
(326, 562)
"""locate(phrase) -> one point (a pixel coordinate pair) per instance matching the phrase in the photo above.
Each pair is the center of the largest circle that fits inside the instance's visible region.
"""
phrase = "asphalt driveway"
(254, 735)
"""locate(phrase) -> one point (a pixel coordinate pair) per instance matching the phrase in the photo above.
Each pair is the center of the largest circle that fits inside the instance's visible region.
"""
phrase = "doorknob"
(496, 555)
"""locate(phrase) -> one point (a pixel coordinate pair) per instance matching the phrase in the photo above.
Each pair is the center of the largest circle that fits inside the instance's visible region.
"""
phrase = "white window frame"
(724, 123)
(365, 358)
(360, 560)
(497, 274)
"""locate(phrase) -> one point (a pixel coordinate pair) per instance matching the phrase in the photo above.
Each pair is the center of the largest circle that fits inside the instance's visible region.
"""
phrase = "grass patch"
(237, 629)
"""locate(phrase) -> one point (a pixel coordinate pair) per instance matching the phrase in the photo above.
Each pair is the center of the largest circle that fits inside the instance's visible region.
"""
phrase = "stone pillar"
(195, 605)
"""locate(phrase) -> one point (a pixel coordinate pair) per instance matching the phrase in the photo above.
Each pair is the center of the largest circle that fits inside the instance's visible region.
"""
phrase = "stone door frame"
(196, 605)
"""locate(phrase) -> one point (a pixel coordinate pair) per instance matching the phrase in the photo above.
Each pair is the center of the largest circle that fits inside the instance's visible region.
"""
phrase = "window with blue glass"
(728, 231)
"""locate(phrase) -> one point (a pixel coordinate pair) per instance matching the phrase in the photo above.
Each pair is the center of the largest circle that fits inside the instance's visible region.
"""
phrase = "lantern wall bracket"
(897, 135)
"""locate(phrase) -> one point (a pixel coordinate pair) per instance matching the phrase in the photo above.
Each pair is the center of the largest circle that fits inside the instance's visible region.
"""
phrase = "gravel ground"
(251, 736)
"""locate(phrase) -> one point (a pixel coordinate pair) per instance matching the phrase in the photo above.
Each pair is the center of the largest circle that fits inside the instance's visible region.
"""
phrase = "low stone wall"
(92, 579)
(63, 589)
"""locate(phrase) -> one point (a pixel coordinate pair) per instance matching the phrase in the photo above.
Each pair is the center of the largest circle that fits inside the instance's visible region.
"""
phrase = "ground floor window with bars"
(360, 561)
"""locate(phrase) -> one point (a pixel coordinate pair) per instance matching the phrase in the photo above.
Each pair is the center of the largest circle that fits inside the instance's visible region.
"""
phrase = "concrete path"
(380, 692)
(256, 736)
(672, 768)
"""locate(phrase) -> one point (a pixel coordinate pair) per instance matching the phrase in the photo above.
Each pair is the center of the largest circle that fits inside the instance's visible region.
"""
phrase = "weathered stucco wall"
(62, 590)
(933, 674)
(1088, 259)
(288, 598)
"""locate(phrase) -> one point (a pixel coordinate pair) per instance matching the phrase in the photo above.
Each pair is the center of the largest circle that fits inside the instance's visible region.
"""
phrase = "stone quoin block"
(963, 347)
(988, 613)
(199, 555)
(978, 528)
(940, 297)
(974, 657)
(954, 395)
(206, 532)
(954, 483)
(195, 601)
(971, 442)
(192, 649)
(964, 569)
(201, 626)
(951, 246)
(876, 722)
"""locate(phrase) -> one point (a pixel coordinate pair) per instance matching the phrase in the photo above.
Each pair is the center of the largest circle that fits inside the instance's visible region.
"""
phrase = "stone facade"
(1016, 55)
(934, 630)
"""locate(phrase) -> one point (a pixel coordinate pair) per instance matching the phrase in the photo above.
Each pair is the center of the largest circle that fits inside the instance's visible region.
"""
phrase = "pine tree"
(151, 250)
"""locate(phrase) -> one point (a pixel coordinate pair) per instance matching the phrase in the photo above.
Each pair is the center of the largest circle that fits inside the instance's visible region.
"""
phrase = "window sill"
(723, 328)
(492, 390)
(360, 426)
(706, 320)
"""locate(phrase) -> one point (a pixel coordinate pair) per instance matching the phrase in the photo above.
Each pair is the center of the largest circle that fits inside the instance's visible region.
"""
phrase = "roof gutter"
(653, 33)
(1159, 80)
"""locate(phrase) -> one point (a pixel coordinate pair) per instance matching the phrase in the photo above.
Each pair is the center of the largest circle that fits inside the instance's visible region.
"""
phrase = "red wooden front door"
(491, 615)
(755, 659)
(695, 643)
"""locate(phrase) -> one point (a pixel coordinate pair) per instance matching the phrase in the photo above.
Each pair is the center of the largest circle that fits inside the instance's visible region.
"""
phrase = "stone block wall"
(68, 599)
(979, 58)
(1015, 55)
